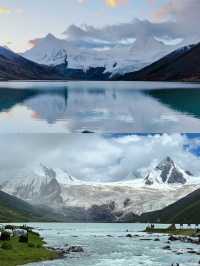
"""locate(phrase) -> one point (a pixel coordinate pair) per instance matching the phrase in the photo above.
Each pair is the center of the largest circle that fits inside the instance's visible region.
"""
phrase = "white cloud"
(95, 157)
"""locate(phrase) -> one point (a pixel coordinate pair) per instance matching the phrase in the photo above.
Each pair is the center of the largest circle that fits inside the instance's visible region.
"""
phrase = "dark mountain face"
(15, 67)
(93, 73)
(166, 172)
(185, 210)
(181, 65)
(13, 209)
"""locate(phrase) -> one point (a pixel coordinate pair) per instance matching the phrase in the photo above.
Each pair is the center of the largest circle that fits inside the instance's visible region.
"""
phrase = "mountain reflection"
(185, 101)
(99, 107)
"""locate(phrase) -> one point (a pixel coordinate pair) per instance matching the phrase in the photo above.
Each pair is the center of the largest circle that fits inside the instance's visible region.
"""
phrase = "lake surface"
(117, 250)
(105, 107)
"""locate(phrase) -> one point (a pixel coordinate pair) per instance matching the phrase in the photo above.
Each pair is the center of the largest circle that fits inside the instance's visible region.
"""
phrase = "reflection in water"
(99, 107)
(187, 101)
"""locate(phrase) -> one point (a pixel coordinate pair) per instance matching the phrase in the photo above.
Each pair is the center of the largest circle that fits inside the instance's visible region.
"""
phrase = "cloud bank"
(95, 157)
(176, 19)
(4, 10)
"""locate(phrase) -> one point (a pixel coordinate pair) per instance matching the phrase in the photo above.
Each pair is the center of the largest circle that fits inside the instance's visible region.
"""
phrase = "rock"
(167, 247)
(173, 238)
(192, 252)
(166, 172)
(77, 249)
(156, 239)
(129, 235)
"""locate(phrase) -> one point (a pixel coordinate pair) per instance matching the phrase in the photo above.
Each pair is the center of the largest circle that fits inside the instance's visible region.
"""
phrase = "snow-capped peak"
(30, 184)
(167, 172)
(117, 57)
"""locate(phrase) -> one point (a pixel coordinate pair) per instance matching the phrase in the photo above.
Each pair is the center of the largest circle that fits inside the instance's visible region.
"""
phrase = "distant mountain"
(167, 172)
(186, 210)
(181, 65)
(15, 67)
(40, 187)
(80, 200)
(13, 209)
(124, 56)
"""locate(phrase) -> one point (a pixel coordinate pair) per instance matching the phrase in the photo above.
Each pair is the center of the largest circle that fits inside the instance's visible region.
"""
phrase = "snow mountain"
(42, 186)
(120, 58)
(56, 189)
(167, 172)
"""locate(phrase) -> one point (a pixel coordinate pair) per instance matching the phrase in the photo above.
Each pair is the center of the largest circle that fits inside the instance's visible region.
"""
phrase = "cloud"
(178, 19)
(185, 14)
(114, 3)
(96, 157)
(110, 3)
(116, 33)
(5, 10)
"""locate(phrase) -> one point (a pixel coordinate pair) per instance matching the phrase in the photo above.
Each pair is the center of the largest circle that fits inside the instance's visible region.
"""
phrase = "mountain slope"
(167, 172)
(181, 65)
(56, 189)
(15, 67)
(186, 210)
(118, 57)
(13, 209)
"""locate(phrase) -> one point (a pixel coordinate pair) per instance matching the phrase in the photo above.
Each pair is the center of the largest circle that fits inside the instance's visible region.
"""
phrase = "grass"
(21, 253)
(181, 232)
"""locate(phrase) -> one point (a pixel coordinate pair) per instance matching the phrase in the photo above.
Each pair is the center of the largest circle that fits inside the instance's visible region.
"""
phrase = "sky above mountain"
(25, 20)
(97, 157)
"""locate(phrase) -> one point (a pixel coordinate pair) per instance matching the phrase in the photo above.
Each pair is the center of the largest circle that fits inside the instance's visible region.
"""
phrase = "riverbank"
(173, 230)
(181, 232)
(13, 252)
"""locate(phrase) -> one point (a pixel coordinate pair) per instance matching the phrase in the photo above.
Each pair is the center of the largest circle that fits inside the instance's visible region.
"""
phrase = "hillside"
(181, 65)
(185, 210)
(15, 67)
(13, 209)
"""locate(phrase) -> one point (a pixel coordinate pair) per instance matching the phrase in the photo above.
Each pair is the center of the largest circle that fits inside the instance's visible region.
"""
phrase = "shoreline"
(15, 250)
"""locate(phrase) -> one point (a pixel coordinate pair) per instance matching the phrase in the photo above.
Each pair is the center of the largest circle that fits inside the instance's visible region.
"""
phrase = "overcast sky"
(97, 157)
(24, 20)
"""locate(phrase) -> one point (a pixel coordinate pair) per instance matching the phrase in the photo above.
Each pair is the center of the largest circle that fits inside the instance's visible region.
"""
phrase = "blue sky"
(23, 20)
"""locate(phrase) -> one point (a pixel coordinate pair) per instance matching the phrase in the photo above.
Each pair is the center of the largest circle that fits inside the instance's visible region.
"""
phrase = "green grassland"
(180, 232)
(13, 253)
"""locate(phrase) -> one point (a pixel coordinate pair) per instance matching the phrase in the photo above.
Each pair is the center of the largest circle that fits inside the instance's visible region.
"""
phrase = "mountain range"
(16, 67)
(125, 56)
(180, 65)
(86, 201)
(13, 209)
(185, 210)
(55, 59)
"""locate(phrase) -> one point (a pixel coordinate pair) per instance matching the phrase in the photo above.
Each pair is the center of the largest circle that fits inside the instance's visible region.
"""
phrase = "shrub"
(23, 239)
(9, 226)
(5, 236)
(6, 245)
(31, 245)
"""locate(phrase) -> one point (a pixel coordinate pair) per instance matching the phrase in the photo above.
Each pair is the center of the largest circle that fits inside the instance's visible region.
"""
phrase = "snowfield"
(57, 189)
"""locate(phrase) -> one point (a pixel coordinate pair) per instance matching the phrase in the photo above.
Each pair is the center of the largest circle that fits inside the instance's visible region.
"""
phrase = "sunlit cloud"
(5, 10)
(114, 3)
(110, 3)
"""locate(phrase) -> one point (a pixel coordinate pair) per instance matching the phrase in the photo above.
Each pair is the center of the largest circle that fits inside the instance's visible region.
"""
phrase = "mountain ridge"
(180, 65)
(57, 189)
(16, 67)
(13, 209)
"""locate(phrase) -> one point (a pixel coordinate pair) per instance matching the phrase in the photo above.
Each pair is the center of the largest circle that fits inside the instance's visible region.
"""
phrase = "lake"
(102, 107)
(101, 250)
